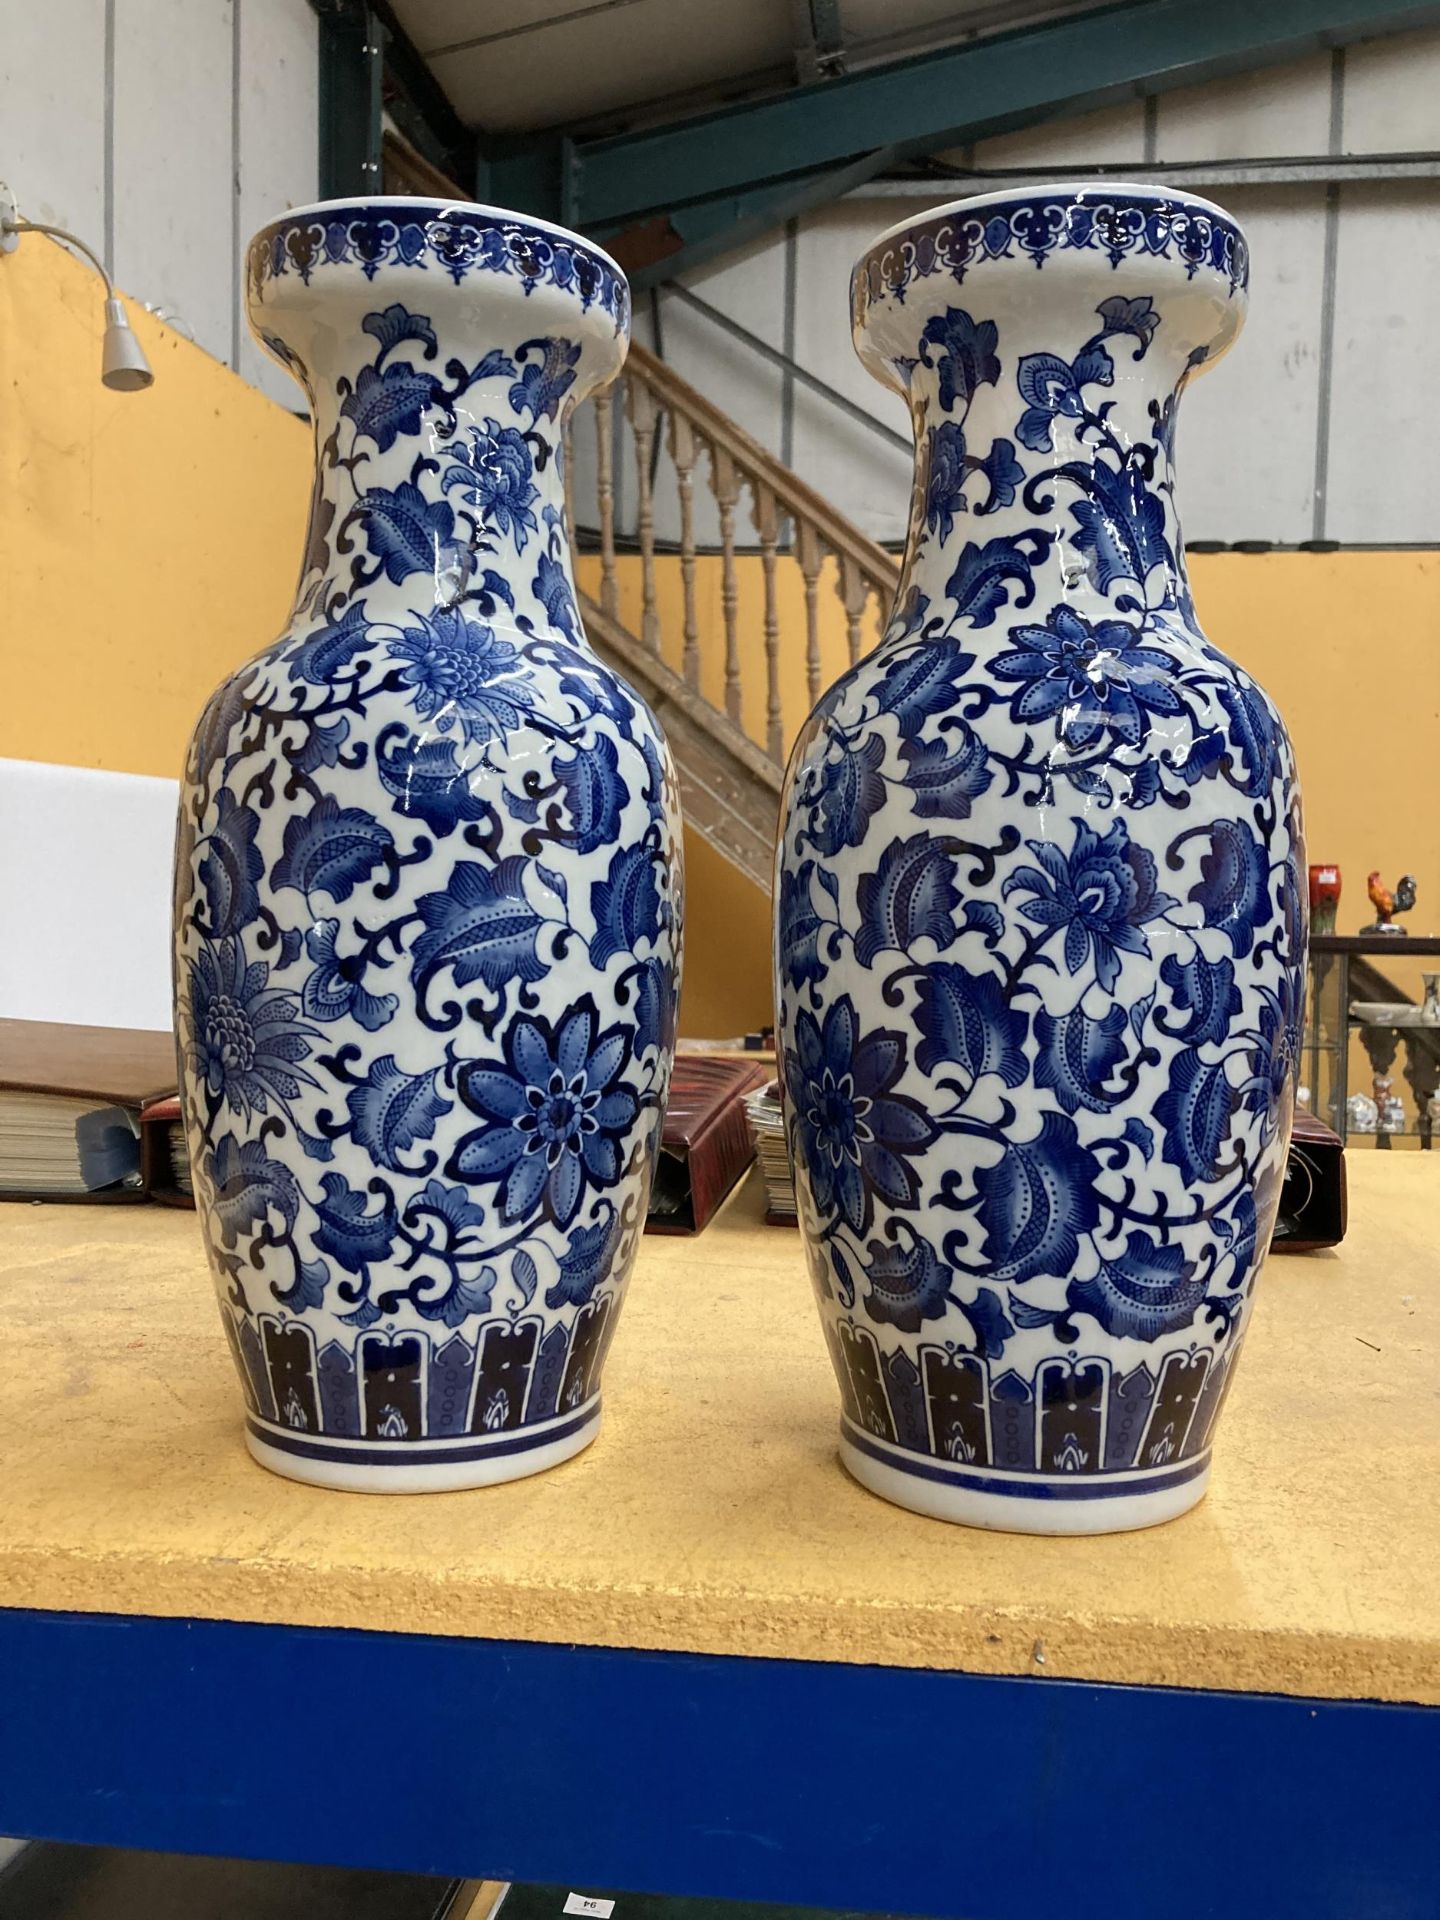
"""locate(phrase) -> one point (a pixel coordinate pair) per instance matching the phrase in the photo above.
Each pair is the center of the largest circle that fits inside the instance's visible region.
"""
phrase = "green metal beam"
(367, 61)
(351, 80)
(943, 98)
(451, 142)
(704, 232)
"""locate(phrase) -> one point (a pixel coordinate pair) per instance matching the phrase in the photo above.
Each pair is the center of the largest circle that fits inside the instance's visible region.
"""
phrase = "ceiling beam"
(947, 97)
(654, 251)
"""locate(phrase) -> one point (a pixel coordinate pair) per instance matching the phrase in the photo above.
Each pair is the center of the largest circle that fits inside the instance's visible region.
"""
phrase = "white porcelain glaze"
(428, 887)
(1040, 937)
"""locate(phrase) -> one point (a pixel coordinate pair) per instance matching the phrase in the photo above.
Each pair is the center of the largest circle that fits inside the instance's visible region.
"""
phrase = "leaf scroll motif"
(332, 849)
(911, 896)
(481, 927)
(1037, 1201)
(393, 1110)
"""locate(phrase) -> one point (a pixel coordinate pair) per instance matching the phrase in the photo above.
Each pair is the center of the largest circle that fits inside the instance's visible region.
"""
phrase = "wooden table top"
(711, 1514)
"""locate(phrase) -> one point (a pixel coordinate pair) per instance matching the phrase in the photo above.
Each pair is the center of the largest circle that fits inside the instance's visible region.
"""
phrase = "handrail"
(791, 368)
(838, 532)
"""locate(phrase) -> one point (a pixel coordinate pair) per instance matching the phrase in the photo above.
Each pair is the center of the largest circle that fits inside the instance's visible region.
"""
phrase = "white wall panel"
(1114, 133)
(174, 163)
(749, 287)
(1384, 478)
(1247, 431)
(1275, 112)
(1392, 94)
(864, 477)
(52, 113)
(278, 150)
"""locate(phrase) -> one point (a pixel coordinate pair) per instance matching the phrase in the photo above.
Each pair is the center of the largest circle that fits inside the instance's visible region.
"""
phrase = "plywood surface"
(711, 1515)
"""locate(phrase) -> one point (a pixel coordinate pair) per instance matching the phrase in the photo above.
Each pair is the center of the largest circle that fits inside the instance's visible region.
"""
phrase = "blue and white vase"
(1041, 904)
(428, 890)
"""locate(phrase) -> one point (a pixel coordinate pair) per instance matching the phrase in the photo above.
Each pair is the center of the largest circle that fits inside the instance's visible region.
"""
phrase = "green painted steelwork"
(720, 174)
(368, 62)
(716, 227)
(350, 99)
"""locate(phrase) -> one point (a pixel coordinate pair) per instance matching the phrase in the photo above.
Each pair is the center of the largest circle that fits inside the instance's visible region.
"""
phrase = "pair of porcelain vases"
(1040, 920)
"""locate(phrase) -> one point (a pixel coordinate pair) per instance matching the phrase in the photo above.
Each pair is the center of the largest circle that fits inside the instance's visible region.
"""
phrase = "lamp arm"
(71, 240)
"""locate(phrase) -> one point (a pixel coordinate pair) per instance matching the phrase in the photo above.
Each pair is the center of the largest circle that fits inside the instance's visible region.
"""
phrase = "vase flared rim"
(439, 209)
(1046, 193)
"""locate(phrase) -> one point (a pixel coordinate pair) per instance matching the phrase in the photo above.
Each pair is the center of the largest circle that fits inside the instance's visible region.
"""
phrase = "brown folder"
(706, 1145)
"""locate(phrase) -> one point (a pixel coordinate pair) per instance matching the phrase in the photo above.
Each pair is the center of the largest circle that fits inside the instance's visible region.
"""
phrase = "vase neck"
(433, 486)
(1049, 479)
(442, 348)
(1043, 340)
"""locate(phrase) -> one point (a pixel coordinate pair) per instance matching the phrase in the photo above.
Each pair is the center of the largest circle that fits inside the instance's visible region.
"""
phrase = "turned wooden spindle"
(725, 485)
(854, 596)
(605, 496)
(767, 525)
(811, 557)
(643, 415)
(682, 452)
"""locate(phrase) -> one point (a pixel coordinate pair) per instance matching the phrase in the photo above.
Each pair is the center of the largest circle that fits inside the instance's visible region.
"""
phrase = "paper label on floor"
(582, 1903)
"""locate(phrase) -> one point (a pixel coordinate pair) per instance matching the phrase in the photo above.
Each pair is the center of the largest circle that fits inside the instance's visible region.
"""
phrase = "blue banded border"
(1024, 1486)
(1031, 227)
(458, 240)
(422, 1453)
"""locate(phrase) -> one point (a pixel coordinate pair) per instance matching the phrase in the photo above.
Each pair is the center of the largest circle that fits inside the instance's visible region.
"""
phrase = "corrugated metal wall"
(164, 132)
(1322, 424)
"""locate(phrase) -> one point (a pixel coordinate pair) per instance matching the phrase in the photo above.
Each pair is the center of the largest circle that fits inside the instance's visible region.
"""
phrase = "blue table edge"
(884, 1789)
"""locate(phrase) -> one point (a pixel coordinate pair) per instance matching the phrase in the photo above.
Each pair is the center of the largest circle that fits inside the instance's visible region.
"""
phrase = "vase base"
(422, 1466)
(1022, 1502)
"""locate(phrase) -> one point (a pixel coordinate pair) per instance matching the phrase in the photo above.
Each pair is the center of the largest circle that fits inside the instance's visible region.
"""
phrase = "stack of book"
(70, 1100)
(767, 1128)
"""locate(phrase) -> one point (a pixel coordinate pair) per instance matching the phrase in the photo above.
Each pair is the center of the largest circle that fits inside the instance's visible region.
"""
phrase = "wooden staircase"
(730, 751)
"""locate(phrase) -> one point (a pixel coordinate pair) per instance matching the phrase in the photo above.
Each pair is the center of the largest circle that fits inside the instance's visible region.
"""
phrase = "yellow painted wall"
(148, 544)
(148, 541)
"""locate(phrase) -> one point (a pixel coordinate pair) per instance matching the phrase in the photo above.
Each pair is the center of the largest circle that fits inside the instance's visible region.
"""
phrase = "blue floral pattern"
(460, 675)
(428, 884)
(557, 1113)
(1092, 679)
(1102, 894)
(246, 1040)
(494, 471)
(1039, 944)
(859, 1134)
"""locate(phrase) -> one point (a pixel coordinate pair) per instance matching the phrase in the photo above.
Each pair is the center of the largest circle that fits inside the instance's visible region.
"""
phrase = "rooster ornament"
(1388, 904)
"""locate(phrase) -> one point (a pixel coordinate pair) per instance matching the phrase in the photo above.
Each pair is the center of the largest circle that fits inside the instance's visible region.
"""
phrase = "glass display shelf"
(1351, 969)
